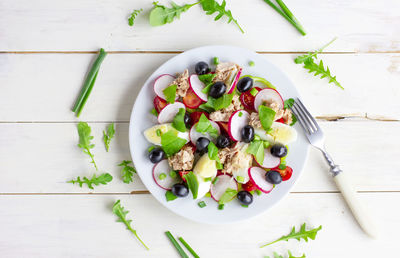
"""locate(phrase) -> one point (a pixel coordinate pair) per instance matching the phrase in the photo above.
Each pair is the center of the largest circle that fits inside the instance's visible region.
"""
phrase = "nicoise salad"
(220, 134)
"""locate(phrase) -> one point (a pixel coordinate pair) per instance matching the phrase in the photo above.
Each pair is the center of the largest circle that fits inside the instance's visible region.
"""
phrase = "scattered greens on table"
(176, 245)
(127, 171)
(301, 234)
(88, 84)
(95, 180)
(84, 131)
(107, 136)
(276, 255)
(132, 17)
(120, 212)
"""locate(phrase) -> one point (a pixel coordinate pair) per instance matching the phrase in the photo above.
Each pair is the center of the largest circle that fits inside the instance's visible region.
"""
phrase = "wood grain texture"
(41, 157)
(44, 25)
(43, 87)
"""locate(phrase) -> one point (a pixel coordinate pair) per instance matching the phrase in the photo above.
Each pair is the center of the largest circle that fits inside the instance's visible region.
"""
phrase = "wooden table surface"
(46, 48)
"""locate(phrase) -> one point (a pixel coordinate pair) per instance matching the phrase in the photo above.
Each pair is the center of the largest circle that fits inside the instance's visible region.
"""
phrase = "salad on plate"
(220, 134)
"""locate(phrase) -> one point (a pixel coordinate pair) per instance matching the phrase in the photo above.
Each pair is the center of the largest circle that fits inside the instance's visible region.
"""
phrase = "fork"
(317, 139)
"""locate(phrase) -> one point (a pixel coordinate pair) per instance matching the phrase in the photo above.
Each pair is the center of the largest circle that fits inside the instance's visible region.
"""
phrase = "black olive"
(201, 68)
(187, 120)
(247, 133)
(279, 150)
(217, 90)
(274, 177)
(223, 141)
(156, 155)
(245, 84)
(202, 144)
(180, 190)
(245, 197)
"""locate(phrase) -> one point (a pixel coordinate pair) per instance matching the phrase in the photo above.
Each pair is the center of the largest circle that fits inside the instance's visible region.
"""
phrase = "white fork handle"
(350, 195)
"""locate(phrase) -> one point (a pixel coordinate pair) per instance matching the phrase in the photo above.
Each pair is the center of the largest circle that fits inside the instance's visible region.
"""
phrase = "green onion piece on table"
(188, 247)
(176, 244)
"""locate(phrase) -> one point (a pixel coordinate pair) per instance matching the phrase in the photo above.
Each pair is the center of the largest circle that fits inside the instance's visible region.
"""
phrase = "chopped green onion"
(253, 92)
(221, 206)
(202, 204)
(240, 179)
(162, 176)
(207, 179)
(154, 112)
(257, 138)
(251, 63)
(240, 114)
(258, 192)
(266, 144)
(195, 255)
(151, 148)
(176, 244)
(172, 174)
(282, 166)
(245, 206)
(216, 60)
(158, 132)
(215, 180)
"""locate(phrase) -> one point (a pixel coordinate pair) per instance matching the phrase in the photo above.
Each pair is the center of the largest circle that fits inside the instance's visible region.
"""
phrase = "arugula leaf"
(127, 171)
(170, 93)
(311, 55)
(204, 126)
(227, 196)
(84, 131)
(266, 116)
(256, 148)
(291, 255)
(212, 6)
(161, 14)
(207, 79)
(120, 212)
(192, 183)
(213, 154)
(302, 234)
(95, 180)
(108, 136)
(288, 103)
(171, 143)
(312, 67)
(213, 104)
(132, 17)
(170, 196)
(179, 121)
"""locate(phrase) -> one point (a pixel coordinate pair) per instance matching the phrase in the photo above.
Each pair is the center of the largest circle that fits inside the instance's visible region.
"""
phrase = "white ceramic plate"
(141, 119)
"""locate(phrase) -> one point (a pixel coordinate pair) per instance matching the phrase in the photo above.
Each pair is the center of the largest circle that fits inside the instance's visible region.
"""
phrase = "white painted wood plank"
(84, 226)
(87, 25)
(40, 158)
(43, 87)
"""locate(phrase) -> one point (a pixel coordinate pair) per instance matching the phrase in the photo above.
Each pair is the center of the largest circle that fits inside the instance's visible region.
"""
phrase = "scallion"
(176, 244)
(195, 255)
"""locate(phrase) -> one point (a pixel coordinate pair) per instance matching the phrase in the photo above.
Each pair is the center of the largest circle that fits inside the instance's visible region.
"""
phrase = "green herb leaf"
(228, 196)
(95, 180)
(107, 136)
(212, 6)
(132, 17)
(179, 121)
(217, 104)
(302, 234)
(288, 103)
(170, 93)
(213, 152)
(127, 171)
(154, 112)
(312, 67)
(171, 143)
(192, 183)
(170, 196)
(161, 14)
(207, 79)
(204, 126)
(120, 212)
(256, 148)
(312, 55)
(266, 116)
(84, 131)
(291, 255)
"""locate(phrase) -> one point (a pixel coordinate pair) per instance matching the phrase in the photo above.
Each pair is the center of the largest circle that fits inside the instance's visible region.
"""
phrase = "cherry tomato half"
(249, 186)
(195, 116)
(191, 100)
(159, 103)
(248, 100)
(286, 173)
(224, 126)
(182, 174)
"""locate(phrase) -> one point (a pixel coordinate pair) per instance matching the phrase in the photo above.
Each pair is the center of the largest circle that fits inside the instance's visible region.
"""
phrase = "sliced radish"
(168, 181)
(268, 95)
(219, 188)
(237, 121)
(234, 80)
(194, 135)
(168, 113)
(257, 176)
(197, 86)
(269, 160)
(161, 83)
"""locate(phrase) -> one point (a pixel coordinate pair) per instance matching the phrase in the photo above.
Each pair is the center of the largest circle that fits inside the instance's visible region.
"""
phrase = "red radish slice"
(237, 121)
(168, 113)
(257, 176)
(194, 135)
(168, 181)
(197, 86)
(234, 81)
(268, 95)
(223, 182)
(161, 83)
(269, 160)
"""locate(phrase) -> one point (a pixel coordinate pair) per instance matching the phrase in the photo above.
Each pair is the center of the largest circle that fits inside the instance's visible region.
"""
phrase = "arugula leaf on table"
(213, 104)
(204, 126)
(212, 6)
(227, 196)
(267, 116)
(256, 148)
(107, 136)
(127, 171)
(132, 17)
(301, 234)
(292, 256)
(312, 67)
(170, 93)
(192, 183)
(95, 180)
(161, 14)
(312, 55)
(120, 212)
(169, 196)
(171, 143)
(179, 121)
(84, 131)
